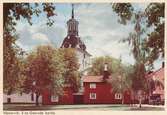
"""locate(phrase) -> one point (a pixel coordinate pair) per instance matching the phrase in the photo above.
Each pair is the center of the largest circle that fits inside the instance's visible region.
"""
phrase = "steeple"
(72, 11)
(72, 39)
(72, 24)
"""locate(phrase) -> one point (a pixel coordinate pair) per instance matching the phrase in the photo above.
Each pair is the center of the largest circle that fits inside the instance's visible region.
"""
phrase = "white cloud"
(40, 36)
(40, 33)
(101, 32)
(98, 28)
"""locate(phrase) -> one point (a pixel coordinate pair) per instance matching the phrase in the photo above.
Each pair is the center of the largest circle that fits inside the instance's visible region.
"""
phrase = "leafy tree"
(121, 80)
(12, 12)
(154, 15)
(45, 70)
(147, 50)
(71, 74)
(135, 41)
(98, 65)
(124, 11)
(13, 67)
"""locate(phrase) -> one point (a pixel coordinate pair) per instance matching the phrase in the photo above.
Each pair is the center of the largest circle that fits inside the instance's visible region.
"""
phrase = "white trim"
(92, 96)
(118, 96)
(92, 85)
(54, 98)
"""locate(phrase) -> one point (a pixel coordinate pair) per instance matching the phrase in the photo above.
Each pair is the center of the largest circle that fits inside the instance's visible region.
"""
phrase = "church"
(72, 40)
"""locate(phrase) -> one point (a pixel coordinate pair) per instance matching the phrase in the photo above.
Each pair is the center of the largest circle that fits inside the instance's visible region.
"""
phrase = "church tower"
(72, 40)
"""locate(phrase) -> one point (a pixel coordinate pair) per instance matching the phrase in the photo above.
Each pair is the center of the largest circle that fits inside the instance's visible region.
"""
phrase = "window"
(118, 96)
(54, 98)
(92, 85)
(92, 96)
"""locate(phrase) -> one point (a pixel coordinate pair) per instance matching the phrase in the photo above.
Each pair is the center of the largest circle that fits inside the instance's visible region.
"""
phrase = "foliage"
(145, 50)
(124, 11)
(45, 70)
(98, 65)
(13, 67)
(71, 74)
(12, 12)
(138, 80)
(121, 80)
(51, 69)
(154, 15)
(138, 76)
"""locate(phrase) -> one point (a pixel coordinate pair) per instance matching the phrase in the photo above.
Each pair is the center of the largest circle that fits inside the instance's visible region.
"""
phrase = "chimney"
(163, 64)
(105, 73)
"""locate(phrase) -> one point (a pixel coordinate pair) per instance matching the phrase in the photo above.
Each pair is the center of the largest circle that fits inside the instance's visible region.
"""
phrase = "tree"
(141, 58)
(154, 15)
(98, 65)
(45, 70)
(124, 11)
(12, 12)
(13, 67)
(71, 74)
(121, 80)
(147, 50)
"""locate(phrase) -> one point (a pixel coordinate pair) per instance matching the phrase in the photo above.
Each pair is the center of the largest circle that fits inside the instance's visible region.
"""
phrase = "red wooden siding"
(104, 94)
(67, 98)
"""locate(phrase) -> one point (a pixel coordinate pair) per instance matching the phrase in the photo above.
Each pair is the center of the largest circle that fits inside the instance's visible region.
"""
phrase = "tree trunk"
(140, 102)
(37, 101)
(122, 99)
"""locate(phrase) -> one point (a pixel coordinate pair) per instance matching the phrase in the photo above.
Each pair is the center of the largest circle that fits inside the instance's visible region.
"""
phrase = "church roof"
(94, 78)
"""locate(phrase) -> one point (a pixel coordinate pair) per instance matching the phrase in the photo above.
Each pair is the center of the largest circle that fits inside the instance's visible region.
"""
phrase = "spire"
(72, 10)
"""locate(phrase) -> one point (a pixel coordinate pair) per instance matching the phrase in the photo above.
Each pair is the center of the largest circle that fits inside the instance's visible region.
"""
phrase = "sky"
(98, 28)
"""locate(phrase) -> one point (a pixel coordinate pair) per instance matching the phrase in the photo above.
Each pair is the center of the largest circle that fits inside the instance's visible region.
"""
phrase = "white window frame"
(118, 96)
(54, 98)
(92, 96)
(92, 85)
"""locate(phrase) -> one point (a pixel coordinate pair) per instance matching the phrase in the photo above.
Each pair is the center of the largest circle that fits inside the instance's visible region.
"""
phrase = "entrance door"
(78, 99)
